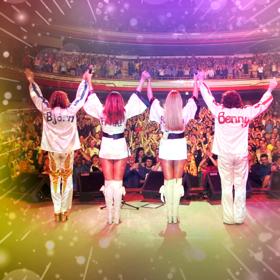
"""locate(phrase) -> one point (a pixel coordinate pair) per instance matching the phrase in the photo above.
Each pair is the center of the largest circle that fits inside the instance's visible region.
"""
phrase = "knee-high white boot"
(118, 192)
(167, 197)
(178, 192)
(107, 190)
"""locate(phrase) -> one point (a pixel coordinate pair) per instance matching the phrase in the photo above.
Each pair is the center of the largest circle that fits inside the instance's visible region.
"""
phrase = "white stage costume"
(231, 146)
(172, 149)
(114, 147)
(173, 146)
(60, 138)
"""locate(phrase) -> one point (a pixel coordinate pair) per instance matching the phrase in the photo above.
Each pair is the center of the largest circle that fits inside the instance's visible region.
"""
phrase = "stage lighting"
(155, 2)
(14, 1)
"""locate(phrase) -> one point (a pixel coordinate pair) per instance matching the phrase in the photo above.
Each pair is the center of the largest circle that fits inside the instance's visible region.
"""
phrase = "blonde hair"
(173, 116)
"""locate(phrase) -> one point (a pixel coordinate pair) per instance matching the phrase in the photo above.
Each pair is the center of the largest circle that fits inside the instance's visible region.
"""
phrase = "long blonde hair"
(173, 116)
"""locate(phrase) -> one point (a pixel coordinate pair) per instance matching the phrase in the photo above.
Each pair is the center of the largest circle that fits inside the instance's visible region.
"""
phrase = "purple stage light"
(218, 5)
(155, 2)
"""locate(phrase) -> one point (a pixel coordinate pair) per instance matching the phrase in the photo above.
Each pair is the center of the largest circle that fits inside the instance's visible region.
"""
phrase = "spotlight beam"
(272, 20)
(266, 24)
(7, 18)
(248, 4)
(262, 11)
(42, 17)
(58, 7)
(92, 11)
(16, 9)
(204, 15)
(47, 7)
(198, 7)
(28, 4)
(68, 4)
(15, 37)
(23, 29)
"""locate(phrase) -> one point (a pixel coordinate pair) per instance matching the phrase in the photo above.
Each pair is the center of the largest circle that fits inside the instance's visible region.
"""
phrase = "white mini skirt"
(113, 148)
(173, 149)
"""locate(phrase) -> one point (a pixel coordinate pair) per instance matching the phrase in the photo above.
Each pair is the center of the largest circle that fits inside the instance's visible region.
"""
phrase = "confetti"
(6, 54)
(50, 245)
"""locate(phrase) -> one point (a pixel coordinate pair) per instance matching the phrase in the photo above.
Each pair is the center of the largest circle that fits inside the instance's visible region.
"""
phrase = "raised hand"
(145, 75)
(88, 74)
(199, 76)
(29, 75)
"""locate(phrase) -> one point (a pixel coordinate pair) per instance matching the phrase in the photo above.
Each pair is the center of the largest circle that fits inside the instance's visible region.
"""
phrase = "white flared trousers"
(233, 170)
(61, 170)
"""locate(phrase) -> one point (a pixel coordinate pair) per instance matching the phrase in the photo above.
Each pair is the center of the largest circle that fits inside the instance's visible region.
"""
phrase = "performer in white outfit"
(113, 150)
(60, 138)
(173, 145)
(232, 121)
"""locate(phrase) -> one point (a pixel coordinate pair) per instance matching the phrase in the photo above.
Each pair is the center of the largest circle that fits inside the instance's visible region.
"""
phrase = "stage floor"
(143, 246)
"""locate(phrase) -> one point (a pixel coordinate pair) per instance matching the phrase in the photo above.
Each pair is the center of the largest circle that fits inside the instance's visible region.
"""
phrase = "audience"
(22, 142)
(231, 67)
(259, 174)
(132, 176)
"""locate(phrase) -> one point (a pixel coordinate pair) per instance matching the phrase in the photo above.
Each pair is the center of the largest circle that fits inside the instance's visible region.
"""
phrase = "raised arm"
(93, 106)
(84, 89)
(141, 82)
(207, 95)
(36, 95)
(264, 102)
(137, 103)
(149, 88)
(195, 87)
(190, 110)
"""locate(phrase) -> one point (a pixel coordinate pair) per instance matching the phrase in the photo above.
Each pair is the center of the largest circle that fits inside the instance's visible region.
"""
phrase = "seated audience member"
(275, 167)
(81, 167)
(259, 174)
(27, 164)
(92, 149)
(139, 155)
(132, 177)
(263, 150)
(157, 165)
(198, 153)
(95, 164)
(276, 150)
(252, 158)
(145, 169)
(208, 164)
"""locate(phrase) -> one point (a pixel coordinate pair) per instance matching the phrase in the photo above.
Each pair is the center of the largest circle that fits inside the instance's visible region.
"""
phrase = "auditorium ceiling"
(171, 22)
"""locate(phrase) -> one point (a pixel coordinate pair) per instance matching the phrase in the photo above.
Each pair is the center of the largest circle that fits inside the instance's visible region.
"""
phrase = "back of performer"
(232, 121)
(59, 119)
(173, 118)
(231, 145)
(60, 138)
(113, 150)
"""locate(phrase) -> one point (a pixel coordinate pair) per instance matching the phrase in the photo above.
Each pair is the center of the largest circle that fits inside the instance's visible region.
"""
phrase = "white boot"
(107, 190)
(118, 192)
(178, 192)
(166, 196)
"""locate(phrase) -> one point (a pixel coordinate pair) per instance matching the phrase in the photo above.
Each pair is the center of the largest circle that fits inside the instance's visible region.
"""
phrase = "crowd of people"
(143, 139)
(217, 67)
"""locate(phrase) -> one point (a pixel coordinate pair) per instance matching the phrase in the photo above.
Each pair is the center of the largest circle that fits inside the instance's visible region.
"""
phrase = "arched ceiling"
(172, 22)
